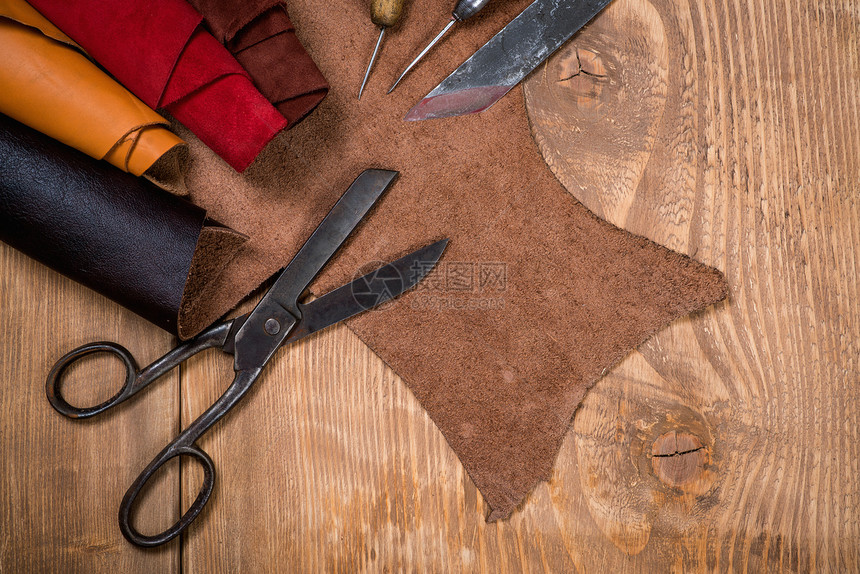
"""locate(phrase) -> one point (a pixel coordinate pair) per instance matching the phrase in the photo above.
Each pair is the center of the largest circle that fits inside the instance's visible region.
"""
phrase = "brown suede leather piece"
(502, 384)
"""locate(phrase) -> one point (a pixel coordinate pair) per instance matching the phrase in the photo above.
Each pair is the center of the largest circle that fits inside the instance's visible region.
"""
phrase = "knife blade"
(507, 58)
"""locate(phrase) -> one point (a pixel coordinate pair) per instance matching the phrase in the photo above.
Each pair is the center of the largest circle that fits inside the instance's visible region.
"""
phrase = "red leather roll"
(161, 53)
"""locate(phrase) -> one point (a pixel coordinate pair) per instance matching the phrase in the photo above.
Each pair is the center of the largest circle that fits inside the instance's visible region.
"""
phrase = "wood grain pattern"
(727, 129)
(333, 466)
(62, 480)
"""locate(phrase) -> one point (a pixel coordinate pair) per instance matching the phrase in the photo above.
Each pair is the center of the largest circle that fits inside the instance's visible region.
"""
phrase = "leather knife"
(507, 58)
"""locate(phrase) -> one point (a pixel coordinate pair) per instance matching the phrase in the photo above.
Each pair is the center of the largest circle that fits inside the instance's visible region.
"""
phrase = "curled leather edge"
(279, 65)
(170, 62)
(216, 247)
(226, 19)
(171, 163)
(89, 105)
(150, 251)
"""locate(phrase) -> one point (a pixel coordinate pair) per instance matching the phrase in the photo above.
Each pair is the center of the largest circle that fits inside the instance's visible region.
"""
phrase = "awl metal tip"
(372, 60)
(391, 89)
(424, 52)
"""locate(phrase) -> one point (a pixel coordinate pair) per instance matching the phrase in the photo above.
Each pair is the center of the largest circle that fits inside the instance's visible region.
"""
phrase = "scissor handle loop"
(185, 443)
(52, 385)
(171, 451)
(136, 378)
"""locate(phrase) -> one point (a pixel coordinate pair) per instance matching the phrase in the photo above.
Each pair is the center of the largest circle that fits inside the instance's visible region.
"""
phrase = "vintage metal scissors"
(278, 319)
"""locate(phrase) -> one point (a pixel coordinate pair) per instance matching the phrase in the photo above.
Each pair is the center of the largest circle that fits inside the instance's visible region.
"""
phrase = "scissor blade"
(278, 311)
(346, 214)
(368, 291)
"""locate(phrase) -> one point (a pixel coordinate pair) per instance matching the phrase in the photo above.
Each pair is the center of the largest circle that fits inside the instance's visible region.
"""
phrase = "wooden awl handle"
(385, 12)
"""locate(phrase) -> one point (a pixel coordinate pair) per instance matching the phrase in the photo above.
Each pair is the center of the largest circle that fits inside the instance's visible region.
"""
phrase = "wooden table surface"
(726, 129)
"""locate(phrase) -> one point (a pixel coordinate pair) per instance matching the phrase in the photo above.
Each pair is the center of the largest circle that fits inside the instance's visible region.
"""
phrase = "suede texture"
(262, 38)
(535, 297)
(161, 53)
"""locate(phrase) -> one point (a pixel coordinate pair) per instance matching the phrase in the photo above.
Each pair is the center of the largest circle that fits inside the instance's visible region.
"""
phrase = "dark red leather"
(261, 36)
(114, 232)
(161, 53)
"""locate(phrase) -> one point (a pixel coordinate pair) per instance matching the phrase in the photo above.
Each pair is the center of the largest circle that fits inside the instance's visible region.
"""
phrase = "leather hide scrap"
(49, 84)
(262, 38)
(535, 297)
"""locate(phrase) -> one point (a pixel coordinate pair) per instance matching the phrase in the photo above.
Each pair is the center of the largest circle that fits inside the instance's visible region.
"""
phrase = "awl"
(383, 13)
(464, 10)
(507, 58)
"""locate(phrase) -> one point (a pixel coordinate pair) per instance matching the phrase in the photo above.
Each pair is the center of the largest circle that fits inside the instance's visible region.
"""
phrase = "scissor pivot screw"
(272, 326)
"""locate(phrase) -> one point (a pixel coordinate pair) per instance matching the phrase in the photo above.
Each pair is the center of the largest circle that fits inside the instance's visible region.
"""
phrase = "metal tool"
(464, 10)
(507, 58)
(278, 319)
(383, 13)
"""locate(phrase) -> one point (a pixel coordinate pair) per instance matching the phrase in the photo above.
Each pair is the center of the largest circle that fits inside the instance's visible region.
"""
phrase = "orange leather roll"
(48, 83)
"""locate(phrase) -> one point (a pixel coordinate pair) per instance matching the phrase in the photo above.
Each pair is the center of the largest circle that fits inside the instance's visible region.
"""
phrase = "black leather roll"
(114, 232)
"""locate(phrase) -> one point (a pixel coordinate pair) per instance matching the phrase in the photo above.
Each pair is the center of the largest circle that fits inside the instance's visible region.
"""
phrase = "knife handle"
(467, 8)
(386, 12)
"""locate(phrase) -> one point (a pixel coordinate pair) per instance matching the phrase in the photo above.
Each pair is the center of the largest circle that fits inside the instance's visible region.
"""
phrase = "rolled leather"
(146, 249)
(160, 52)
(262, 38)
(50, 85)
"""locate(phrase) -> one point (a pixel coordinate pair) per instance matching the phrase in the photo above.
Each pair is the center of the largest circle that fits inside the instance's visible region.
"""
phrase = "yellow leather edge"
(23, 13)
(51, 86)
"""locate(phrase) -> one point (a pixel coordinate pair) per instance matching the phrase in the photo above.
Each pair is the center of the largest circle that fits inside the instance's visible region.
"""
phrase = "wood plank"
(728, 442)
(728, 130)
(62, 480)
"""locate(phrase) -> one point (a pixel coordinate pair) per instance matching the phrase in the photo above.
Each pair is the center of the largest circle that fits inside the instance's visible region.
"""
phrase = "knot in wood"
(678, 458)
(584, 74)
